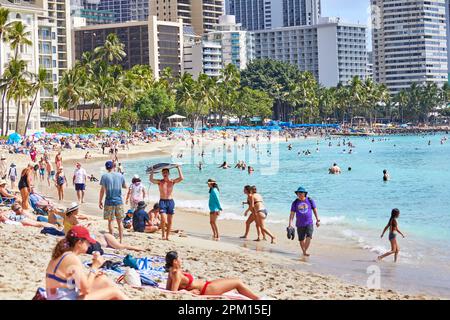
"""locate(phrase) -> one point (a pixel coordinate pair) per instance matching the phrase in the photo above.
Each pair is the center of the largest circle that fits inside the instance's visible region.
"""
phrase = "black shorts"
(305, 232)
(80, 186)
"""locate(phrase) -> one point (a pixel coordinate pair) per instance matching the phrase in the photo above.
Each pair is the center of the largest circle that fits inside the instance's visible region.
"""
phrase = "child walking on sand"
(393, 229)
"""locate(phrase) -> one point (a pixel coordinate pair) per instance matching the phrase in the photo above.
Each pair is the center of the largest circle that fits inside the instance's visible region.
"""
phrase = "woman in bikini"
(179, 280)
(393, 229)
(251, 217)
(257, 204)
(65, 275)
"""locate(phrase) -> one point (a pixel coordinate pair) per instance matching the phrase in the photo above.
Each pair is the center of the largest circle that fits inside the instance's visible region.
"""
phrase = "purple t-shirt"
(303, 212)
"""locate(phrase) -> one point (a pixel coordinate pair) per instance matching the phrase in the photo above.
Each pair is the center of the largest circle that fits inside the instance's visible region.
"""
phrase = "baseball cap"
(81, 233)
(109, 164)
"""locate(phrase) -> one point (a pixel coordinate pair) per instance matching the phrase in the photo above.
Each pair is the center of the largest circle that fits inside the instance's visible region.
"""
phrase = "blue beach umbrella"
(14, 138)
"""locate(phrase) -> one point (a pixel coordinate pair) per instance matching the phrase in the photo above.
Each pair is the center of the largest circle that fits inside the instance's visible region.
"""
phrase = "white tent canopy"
(176, 116)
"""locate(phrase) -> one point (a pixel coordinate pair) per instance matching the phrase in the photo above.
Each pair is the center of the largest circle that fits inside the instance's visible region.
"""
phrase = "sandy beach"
(25, 252)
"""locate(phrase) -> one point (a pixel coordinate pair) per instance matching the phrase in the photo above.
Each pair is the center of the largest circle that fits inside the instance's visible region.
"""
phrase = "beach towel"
(231, 295)
(52, 231)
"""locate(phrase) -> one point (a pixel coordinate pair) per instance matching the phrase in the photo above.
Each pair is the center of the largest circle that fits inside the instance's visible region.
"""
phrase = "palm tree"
(16, 78)
(185, 92)
(70, 89)
(4, 29)
(18, 36)
(112, 50)
(41, 82)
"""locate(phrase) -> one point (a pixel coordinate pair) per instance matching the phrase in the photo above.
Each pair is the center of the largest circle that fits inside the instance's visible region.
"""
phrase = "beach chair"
(38, 211)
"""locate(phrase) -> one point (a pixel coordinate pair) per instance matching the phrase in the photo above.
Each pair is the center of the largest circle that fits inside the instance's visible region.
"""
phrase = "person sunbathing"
(5, 194)
(65, 276)
(18, 216)
(179, 280)
(71, 218)
(40, 204)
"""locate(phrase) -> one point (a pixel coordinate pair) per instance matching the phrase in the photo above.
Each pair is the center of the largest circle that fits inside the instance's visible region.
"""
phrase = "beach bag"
(40, 294)
(132, 277)
(130, 261)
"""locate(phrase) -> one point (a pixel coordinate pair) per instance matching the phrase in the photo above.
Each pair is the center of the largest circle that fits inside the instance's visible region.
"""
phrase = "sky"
(356, 11)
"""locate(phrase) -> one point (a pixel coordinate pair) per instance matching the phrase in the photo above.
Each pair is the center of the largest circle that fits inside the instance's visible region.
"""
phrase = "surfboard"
(161, 166)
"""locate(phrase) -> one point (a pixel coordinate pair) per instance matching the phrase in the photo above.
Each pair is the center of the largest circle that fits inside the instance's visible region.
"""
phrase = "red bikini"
(191, 279)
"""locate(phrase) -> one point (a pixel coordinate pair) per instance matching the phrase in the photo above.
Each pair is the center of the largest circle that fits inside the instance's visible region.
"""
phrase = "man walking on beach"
(166, 203)
(112, 184)
(302, 208)
(79, 181)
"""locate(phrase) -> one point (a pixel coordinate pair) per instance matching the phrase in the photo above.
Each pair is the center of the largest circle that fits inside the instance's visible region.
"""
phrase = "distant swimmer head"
(384, 171)
(349, 168)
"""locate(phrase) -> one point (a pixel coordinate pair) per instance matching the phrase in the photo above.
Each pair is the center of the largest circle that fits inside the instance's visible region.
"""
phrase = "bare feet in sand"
(257, 240)
(243, 237)
(273, 240)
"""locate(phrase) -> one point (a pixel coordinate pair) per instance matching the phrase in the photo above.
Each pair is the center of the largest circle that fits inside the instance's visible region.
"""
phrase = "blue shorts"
(80, 186)
(42, 172)
(167, 206)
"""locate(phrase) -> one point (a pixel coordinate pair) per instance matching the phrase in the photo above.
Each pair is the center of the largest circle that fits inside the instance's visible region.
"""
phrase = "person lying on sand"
(65, 276)
(71, 219)
(179, 280)
(17, 215)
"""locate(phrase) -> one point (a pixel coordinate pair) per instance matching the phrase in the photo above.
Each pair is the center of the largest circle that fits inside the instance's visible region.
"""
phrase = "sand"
(25, 253)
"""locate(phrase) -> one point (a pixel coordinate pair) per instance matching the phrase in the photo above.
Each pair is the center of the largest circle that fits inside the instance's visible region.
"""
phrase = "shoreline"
(272, 262)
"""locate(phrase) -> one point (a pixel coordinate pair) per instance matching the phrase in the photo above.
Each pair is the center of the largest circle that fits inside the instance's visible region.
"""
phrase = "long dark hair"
(213, 185)
(170, 257)
(394, 214)
(248, 188)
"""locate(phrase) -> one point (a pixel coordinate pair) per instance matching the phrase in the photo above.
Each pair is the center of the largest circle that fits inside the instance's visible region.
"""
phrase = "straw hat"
(3, 157)
(2, 182)
(74, 206)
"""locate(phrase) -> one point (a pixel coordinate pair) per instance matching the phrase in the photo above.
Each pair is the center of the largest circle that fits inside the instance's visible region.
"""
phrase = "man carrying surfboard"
(166, 203)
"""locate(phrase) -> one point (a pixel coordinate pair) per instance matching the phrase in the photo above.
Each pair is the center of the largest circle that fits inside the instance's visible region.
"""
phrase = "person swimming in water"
(386, 175)
(393, 230)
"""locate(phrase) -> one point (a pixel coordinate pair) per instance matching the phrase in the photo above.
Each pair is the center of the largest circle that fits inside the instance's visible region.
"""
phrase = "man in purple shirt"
(302, 208)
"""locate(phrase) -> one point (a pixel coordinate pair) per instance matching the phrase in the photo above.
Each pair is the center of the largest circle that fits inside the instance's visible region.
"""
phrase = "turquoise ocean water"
(355, 204)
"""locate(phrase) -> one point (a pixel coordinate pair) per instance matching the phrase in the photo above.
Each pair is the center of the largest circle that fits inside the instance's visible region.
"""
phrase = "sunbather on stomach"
(178, 280)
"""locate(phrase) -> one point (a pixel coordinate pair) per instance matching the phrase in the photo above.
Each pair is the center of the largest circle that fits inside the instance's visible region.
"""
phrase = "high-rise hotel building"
(269, 14)
(333, 51)
(202, 15)
(409, 42)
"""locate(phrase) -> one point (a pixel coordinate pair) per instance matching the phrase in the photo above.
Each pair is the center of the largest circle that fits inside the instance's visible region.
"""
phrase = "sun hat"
(136, 176)
(3, 181)
(109, 164)
(74, 206)
(301, 190)
(212, 180)
(3, 157)
(12, 165)
(141, 205)
(81, 233)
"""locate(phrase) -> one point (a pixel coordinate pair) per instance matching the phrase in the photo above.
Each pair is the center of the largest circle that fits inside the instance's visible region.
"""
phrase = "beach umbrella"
(14, 138)
(104, 131)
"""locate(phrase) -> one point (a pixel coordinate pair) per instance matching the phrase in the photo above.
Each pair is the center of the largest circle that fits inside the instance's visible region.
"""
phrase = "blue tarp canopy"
(181, 129)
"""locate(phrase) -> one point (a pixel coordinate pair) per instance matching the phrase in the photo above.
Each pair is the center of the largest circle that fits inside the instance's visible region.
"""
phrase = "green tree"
(41, 82)
(112, 50)
(273, 77)
(251, 103)
(304, 95)
(156, 104)
(4, 29)
(124, 119)
(18, 36)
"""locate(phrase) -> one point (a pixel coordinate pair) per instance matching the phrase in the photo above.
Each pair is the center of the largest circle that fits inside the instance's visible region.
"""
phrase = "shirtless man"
(50, 172)
(166, 203)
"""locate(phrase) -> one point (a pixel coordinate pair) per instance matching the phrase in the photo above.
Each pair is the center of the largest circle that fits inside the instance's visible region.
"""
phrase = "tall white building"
(409, 42)
(237, 44)
(333, 51)
(21, 11)
(269, 14)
